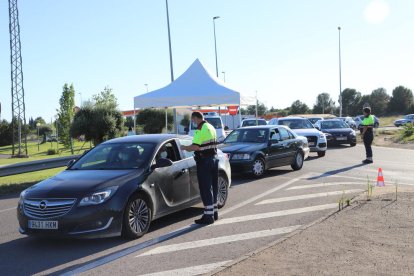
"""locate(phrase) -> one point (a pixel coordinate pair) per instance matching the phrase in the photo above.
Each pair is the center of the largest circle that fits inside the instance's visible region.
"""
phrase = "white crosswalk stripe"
(276, 214)
(189, 271)
(308, 196)
(309, 186)
(219, 240)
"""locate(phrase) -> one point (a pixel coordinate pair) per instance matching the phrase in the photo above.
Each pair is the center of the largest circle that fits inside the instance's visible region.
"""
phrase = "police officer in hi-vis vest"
(367, 133)
(205, 151)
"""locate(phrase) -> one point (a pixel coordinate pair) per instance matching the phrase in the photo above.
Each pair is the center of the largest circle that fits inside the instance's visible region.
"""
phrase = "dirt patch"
(387, 139)
(373, 237)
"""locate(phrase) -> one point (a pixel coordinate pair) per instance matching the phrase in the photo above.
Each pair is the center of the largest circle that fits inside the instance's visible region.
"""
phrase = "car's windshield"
(333, 124)
(116, 156)
(247, 136)
(296, 123)
(215, 122)
(253, 123)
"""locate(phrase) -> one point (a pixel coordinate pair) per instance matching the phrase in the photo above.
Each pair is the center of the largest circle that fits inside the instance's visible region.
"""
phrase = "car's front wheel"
(223, 190)
(298, 161)
(321, 153)
(137, 217)
(258, 167)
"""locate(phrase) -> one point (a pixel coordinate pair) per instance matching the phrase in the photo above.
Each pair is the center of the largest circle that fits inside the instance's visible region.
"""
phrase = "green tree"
(379, 101)
(129, 122)
(324, 104)
(298, 107)
(97, 123)
(105, 98)
(401, 100)
(185, 121)
(65, 113)
(153, 120)
(44, 130)
(350, 102)
(6, 133)
(251, 110)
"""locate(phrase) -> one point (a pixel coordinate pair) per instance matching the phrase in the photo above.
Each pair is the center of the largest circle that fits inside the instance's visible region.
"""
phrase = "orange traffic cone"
(380, 179)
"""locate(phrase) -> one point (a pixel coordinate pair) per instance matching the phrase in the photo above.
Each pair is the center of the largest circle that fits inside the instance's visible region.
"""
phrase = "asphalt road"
(257, 213)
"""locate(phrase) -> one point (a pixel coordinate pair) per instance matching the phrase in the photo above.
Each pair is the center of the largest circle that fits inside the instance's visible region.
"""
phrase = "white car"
(216, 122)
(253, 122)
(301, 126)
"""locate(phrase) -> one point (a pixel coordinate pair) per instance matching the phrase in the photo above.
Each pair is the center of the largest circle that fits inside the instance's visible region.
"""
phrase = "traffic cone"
(380, 179)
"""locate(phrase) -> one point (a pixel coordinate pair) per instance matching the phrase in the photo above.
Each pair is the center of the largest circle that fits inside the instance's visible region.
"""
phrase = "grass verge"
(19, 182)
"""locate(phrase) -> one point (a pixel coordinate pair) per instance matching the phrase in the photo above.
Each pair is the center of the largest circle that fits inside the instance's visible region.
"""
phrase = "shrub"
(51, 151)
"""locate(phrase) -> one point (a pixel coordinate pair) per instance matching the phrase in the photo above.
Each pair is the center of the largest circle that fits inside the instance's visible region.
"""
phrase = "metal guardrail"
(38, 165)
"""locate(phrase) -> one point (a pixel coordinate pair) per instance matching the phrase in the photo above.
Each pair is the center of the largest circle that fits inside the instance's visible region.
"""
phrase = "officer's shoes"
(205, 220)
(215, 215)
(367, 161)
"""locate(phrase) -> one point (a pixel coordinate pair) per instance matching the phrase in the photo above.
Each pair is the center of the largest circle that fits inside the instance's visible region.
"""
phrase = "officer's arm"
(192, 147)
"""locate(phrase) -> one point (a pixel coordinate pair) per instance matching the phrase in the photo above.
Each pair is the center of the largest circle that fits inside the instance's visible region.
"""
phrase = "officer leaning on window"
(367, 133)
(205, 148)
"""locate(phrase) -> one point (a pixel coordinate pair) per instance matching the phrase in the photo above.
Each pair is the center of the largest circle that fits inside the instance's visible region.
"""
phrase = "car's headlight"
(241, 156)
(98, 197)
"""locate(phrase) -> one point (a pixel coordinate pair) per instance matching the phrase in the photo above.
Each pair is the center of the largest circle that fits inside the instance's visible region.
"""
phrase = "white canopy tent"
(194, 88)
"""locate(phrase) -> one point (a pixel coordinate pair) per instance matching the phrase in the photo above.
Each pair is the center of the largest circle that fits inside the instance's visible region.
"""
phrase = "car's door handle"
(181, 173)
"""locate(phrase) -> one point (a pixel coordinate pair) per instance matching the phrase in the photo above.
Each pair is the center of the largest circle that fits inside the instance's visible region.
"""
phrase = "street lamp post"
(171, 68)
(340, 75)
(215, 41)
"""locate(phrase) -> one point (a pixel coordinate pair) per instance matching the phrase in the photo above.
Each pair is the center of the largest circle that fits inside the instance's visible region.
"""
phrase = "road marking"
(189, 271)
(276, 214)
(176, 233)
(255, 198)
(299, 197)
(5, 210)
(308, 186)
(372, 180)
(219, 240)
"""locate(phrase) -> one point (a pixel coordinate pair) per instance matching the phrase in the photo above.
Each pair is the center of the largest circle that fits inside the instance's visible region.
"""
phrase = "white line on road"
(140, 246)
(189, 271)
(219, 240)
(276, 214)
(308, 186)
(373, 180)
(299, 197)
(5, 210)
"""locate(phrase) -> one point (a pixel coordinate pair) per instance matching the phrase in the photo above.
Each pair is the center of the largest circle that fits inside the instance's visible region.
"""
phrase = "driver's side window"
(168, 150)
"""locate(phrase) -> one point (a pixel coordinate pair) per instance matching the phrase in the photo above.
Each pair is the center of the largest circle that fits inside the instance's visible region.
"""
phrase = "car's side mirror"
(162, 163)
(226, 128)
(186, 129)
(318, 128)
(70, 163)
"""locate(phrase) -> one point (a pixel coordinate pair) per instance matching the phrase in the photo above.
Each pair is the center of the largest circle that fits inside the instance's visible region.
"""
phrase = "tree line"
(401, 101)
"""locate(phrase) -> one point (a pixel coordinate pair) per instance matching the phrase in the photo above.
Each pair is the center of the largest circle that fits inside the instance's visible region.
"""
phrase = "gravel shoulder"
(372, 237)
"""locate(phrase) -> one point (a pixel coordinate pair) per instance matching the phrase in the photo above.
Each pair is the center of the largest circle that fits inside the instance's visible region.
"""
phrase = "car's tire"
(137, 217)
(223, 190)
(258, 167)
(321, 153)
(297, 161)
(352, 144)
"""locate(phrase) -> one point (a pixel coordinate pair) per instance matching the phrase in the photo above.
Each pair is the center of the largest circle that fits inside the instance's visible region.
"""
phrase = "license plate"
(341, 138)
(311, 143)
(41, 224)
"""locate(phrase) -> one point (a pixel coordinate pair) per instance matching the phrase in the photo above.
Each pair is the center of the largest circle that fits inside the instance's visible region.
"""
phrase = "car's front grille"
(47, 208)
(312, 140)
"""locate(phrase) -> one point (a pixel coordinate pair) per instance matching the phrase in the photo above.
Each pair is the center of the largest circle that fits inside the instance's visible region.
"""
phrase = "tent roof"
(195, 87)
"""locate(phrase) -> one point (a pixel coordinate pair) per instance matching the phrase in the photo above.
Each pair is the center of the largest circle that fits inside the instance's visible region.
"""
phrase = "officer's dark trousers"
(207, 174)
(368, 138)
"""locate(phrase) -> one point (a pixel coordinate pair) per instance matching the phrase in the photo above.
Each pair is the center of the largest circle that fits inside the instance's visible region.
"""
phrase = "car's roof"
(332, 120)
(146, 138)
(262, 127)
(293, 118)
(254, 119)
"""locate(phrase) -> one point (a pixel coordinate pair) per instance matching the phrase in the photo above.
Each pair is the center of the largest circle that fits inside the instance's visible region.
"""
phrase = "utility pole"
(340, 75)
(19, 143)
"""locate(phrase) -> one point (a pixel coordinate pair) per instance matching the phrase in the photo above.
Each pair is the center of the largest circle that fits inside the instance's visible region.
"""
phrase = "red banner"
(233, 109)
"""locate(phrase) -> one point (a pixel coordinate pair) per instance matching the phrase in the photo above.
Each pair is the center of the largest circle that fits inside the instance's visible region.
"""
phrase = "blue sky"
(286, 50)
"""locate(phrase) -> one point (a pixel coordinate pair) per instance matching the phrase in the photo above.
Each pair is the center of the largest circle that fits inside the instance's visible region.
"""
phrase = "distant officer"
(367, 134)
(205, 148)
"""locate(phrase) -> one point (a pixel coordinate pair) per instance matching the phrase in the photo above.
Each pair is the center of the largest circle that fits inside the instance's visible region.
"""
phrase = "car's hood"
(307, 131)
(241, 147)
(401, 120)
(78, 183)
(337, 130)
